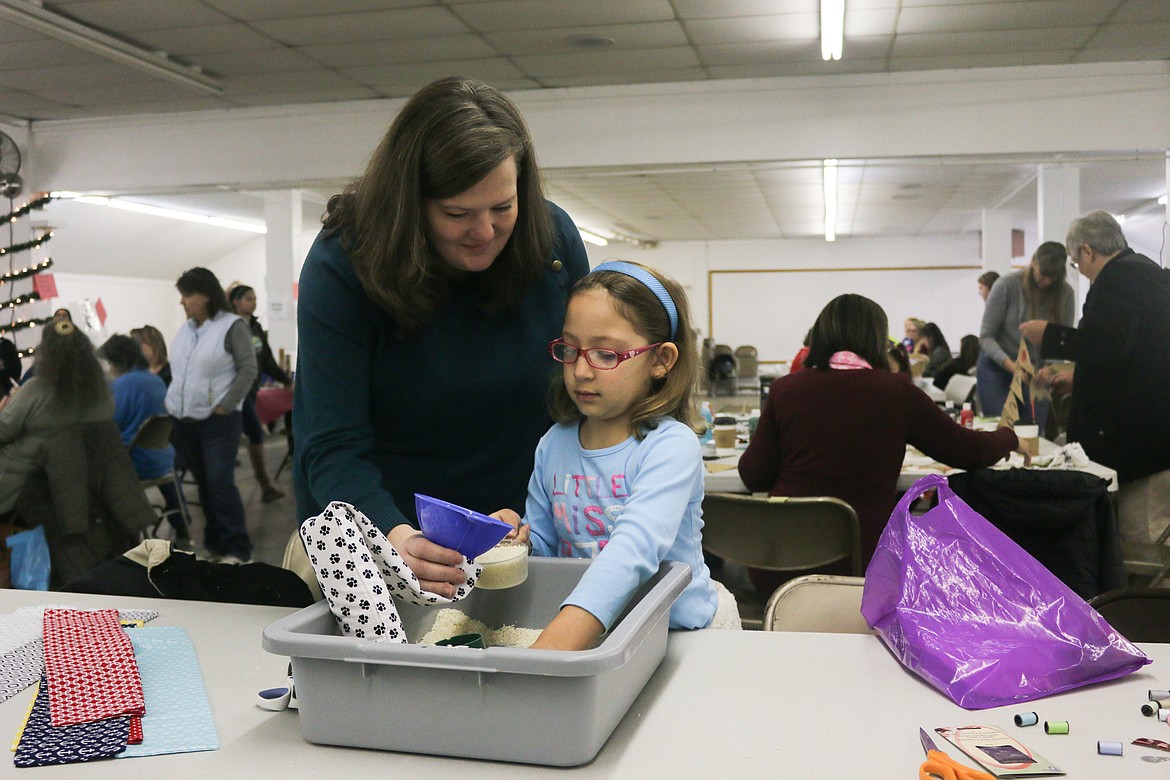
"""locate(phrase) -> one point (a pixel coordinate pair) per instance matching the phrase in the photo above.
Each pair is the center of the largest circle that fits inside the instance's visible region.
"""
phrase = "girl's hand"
(572, 629)
(433, 564)
(519, 530)
(1033, 330)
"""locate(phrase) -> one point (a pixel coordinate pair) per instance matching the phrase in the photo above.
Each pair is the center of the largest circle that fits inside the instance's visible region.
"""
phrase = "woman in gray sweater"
(1038, 292)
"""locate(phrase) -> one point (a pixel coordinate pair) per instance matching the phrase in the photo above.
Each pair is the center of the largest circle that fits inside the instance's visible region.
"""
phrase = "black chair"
(1140, 614)
(155, 434)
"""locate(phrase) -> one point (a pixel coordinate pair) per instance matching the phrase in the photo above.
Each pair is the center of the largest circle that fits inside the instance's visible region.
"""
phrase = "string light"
(12, 216)
(24, 273)
(34, 244)
(21, 300)
(26, 353)
(24, 325)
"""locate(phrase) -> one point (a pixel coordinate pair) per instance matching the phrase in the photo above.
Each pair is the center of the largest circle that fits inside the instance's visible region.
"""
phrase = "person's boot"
(269, 492)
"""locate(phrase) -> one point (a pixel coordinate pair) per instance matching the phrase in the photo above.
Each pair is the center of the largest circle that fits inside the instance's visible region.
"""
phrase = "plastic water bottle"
(967, 416)
(708, 437)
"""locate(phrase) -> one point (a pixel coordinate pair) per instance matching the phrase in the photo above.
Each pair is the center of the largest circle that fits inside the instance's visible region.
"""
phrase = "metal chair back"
(817, 603)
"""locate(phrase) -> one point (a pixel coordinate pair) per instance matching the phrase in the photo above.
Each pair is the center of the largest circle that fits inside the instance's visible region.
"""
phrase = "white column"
(997, 241)
(1058, 203)
(282, 214)
(1166, 212)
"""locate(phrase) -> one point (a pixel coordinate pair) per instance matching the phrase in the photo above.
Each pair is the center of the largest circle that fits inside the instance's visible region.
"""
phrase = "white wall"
(773, 308)
(129, 302)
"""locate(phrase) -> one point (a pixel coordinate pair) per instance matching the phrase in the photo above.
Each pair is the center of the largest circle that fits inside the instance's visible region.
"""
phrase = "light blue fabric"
(178, 715)
(631, 507)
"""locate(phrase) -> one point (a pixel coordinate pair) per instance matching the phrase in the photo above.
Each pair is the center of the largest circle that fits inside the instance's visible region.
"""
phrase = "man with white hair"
(1121, 382)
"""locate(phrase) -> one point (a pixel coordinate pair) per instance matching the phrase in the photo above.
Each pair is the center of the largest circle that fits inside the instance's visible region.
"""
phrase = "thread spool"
(1150, 708)
(1056, 727)
(1156, 694)
(1163, 714)
(1108, 748)
(1027, 719)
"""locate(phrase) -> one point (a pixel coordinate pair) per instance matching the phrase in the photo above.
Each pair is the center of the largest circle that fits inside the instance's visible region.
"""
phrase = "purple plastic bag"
(964, 607)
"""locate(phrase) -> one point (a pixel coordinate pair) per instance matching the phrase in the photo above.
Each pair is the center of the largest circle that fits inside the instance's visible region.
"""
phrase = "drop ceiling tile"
(298, 81)
(132, 107)
(715, 9)
(367, 26)
(624, 77)
(990, 42)
(254, 10)
(763, 53)
(739, 29)
(428, 49)
(415, 75)
(539, 14)
(15, 103)
(987, 60)
(131, 15)
(189, 41)
(114, 92)
(238, 64)
(808, 66)
(96, 74)
(1150, 35)
(305, 96)
(556, 41)
(626, 63)
(16, 55)
(991, 16)
(1141, 11)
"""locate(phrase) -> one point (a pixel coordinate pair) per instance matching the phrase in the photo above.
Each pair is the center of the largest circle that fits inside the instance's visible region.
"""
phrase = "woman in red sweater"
(841, 429)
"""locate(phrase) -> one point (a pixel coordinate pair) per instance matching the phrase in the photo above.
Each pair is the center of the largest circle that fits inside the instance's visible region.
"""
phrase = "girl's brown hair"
(1046, 304)
(849, 323)
(666, 397)
(446, 139)
(66, 362)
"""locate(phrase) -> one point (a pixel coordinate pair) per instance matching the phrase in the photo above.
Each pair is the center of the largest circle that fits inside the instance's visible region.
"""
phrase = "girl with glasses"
(619, 478)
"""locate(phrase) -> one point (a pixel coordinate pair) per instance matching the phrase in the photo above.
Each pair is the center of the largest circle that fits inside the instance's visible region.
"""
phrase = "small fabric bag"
(964, 607)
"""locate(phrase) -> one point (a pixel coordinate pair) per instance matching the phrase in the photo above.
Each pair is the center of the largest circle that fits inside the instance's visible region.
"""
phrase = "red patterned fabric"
(135, 730)
(90, 667)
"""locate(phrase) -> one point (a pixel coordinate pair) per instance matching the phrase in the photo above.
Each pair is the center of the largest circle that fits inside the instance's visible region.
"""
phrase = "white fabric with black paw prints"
(361, 574)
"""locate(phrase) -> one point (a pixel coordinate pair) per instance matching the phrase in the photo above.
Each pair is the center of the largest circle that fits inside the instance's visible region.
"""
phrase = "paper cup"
(1029, 436)
(725, 436)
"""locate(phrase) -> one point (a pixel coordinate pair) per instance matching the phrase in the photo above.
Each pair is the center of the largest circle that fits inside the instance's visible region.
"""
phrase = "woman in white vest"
(213, 366)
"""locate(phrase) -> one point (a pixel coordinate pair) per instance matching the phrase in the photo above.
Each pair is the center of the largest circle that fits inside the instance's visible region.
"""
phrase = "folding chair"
(779, 534)
(1140, 614)
(155, 434)
(818, 603)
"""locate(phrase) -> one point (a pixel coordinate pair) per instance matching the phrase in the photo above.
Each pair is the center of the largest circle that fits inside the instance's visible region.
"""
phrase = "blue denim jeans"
(992, 383)
(209, 449)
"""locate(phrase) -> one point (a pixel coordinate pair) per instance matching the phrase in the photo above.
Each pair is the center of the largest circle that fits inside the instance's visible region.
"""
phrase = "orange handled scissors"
(939, 764)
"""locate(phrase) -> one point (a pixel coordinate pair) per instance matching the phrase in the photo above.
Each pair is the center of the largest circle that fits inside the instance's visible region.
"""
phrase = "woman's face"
(1042, 281)
(984, 291)
(469, 230)
(194, 305)
(911, 330)
(246, 304)
(147, 352)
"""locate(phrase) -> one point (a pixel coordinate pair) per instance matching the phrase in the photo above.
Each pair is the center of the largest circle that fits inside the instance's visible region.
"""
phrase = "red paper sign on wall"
(45, 286)
(101, 311)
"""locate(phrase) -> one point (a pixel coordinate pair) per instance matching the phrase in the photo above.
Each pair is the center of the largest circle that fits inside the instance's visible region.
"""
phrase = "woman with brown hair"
(67, 389)
(840, 427)
(154, 349)
(426, 306)
(1038, 292)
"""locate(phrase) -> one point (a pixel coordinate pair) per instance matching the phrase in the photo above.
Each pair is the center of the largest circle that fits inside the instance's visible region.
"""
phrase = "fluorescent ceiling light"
(62, 28)
(592, 238)
(158, 211)
(832, 28)
(830, 177)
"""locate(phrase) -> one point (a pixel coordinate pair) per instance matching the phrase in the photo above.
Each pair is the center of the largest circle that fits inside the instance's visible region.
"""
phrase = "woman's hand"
(1027, 455)
(519, 530)
(220, 411)
(433, 564)
(6, 398)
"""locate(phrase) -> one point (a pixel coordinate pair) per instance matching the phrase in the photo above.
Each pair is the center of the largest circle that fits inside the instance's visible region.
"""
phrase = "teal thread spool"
(1027, 719)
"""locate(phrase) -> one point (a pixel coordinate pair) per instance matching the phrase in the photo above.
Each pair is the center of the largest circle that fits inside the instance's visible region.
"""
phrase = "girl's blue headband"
(651, 282)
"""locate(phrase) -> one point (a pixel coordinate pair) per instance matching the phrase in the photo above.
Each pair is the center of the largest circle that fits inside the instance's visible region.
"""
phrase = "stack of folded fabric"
(104, 692)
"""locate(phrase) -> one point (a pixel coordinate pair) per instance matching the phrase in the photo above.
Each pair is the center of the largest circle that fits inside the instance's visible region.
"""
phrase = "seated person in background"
(898, 358)
(9, 367)
(986, 280)
(912, 329)
(968, 356)
(933, 344)
(154, 349)
(798, 360)
(842, 428)
(68, 389)
(138, 396)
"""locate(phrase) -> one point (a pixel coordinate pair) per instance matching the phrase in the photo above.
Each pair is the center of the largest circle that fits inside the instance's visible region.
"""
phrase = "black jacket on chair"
(86, 494)
(1064, 519)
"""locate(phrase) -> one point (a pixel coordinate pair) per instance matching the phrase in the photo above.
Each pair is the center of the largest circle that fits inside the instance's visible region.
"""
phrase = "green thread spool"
(1056, 727)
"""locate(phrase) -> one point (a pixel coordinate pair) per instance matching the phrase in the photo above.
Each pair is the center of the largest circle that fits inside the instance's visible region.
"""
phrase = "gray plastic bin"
(506, 704)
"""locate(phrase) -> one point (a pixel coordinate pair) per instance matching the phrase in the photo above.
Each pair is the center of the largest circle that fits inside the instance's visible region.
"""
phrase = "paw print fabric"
(362, 575)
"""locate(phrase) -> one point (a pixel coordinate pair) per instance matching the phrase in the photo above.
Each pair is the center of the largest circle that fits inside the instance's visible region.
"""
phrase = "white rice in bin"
(451, 622)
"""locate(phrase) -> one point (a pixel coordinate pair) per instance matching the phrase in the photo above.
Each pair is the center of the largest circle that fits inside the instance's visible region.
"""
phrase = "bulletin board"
(772, 309)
